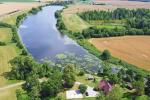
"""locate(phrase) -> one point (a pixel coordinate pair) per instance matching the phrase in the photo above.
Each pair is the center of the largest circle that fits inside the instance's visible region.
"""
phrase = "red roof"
(105, 86)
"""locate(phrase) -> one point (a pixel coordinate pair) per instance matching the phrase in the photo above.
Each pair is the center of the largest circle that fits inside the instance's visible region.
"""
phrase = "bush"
(35, 10)
(2, 43)
(82, 88)
(105, 55)
(81, 73)
(143, 97)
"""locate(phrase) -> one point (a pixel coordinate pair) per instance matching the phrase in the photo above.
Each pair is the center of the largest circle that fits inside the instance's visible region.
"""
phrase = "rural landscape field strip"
(133, 49)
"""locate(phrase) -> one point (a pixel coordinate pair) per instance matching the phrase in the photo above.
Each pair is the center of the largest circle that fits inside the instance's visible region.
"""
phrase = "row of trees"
(119, 13)
(94, 32)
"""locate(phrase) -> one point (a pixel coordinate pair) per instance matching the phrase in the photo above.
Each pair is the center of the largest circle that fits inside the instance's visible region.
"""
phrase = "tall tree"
(139, 86)
(69, 75)
(106, 55)
(115, 94)
(52, 86)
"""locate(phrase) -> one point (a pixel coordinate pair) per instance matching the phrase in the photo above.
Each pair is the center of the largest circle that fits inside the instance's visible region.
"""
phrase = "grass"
(5, 34)
(7, 53)
(83, 79)
(74, 22)
(9, 94)
(110, 26)
(11, 19)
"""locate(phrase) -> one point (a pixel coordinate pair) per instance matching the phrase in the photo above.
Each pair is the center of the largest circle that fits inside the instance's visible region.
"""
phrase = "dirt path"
(18, 84)
(11, 86)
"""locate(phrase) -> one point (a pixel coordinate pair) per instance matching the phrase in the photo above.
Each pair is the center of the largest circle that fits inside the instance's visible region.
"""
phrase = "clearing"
(133, 49)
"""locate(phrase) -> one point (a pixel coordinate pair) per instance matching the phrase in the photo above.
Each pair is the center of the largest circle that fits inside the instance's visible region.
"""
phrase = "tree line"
(93, 32)
(119, 13)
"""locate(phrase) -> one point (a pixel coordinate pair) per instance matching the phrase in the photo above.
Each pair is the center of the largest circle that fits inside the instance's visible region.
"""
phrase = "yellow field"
(133, 49)
(9, 94)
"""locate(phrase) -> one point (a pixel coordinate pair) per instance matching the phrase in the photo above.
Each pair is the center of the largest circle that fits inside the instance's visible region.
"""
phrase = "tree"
(105, 55)
(106, 69)
(139, 86)
(69, 75)
(22, 66)
(143, 97)
(82, 88)
(81, 73)
(22, 95)
(147, 88)
(32, 86)
(52, 86)
(115, 94)
(101, 96)
(114, 78)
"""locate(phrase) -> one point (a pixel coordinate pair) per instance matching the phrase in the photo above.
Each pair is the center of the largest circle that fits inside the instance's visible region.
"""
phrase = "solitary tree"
(139, 86)
(82, 88)
(105, 55)
(69, 75)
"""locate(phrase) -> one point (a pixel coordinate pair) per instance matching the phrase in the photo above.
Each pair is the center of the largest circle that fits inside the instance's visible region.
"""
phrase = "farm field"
(7, 53)
(9, 94)
(6, 8)
(133, 49)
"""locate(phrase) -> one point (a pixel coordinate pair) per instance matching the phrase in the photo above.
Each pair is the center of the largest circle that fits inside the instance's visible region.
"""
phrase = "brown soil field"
(110, 5)
(133, 49)
(8, 8)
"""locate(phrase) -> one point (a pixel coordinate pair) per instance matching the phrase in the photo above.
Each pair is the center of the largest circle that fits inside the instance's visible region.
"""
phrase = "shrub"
(2, 43)
(105, 55)
(82, 88)
(81, 73)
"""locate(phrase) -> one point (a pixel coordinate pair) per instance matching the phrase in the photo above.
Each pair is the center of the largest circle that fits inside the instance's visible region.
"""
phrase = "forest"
(137, 22)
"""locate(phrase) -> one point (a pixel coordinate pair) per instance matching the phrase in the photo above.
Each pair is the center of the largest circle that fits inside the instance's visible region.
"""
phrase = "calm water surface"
(41, 37)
